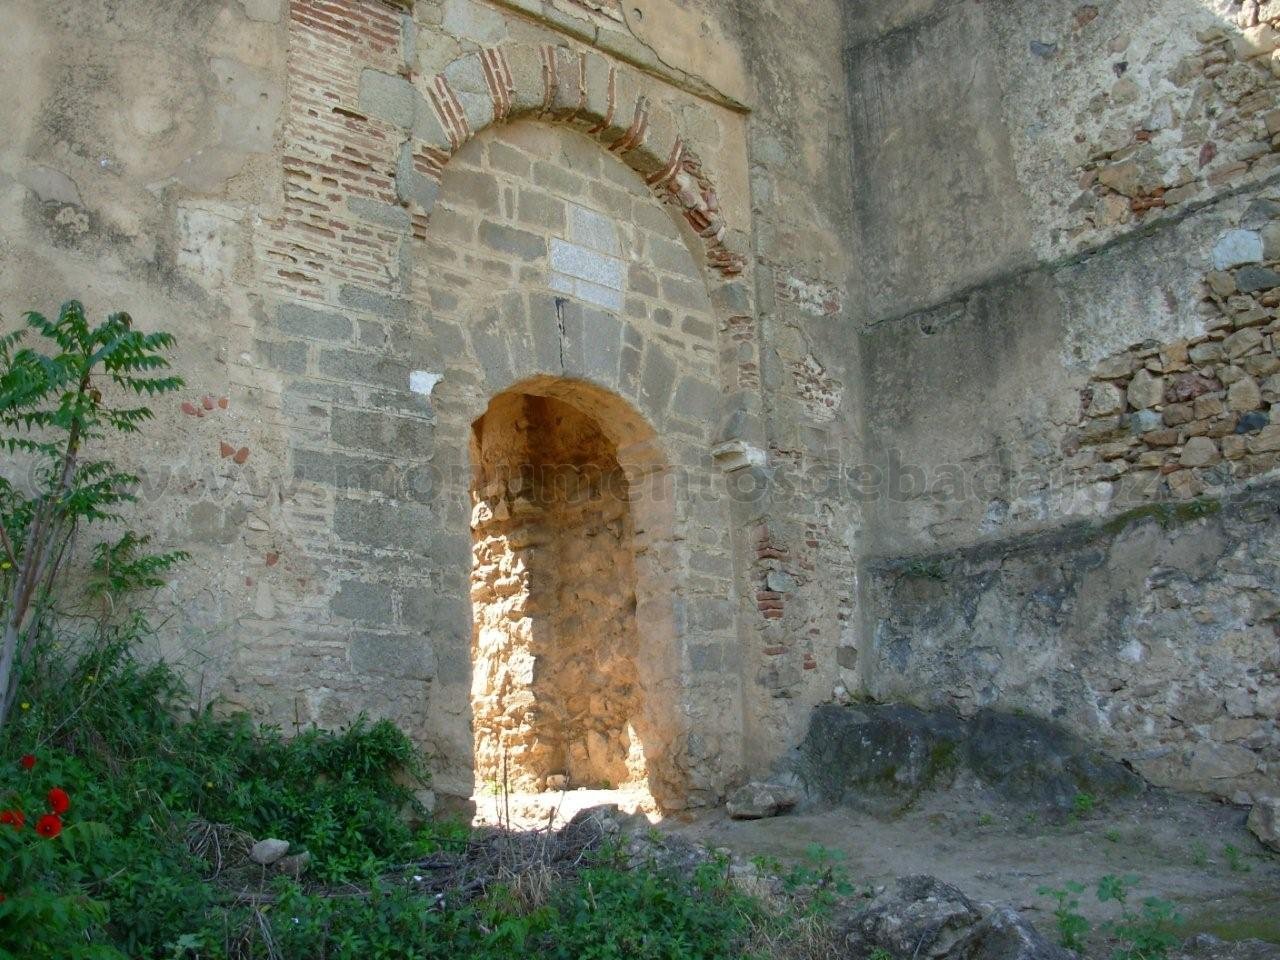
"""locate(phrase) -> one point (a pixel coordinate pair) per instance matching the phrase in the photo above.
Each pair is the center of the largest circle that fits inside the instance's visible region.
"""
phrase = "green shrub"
(1072, 925)
(112, 731)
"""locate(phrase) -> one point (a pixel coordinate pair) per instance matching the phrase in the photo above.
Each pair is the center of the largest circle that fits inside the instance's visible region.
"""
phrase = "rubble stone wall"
(850, 288)
(556, 696)
(1069, 312)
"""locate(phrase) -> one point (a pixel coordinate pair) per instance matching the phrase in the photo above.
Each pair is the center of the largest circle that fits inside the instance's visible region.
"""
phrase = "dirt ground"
(1196, 853)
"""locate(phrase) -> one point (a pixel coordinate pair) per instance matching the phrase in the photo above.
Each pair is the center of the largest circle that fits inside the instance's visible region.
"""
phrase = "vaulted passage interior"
(555, 691)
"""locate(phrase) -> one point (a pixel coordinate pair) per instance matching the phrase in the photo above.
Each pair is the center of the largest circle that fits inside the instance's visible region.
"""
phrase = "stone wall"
(1063, 325)
(1153, 635)
(366, 219)
(872, 283)
(1194, 415)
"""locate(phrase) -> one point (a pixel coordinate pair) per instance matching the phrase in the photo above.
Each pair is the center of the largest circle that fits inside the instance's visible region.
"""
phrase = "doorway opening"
(558, 696)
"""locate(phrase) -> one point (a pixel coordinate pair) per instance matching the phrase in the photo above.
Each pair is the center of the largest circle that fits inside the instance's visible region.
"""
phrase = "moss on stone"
(1165, 514)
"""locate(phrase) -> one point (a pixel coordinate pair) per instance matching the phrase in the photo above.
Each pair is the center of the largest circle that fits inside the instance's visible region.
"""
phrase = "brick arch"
(610, 103)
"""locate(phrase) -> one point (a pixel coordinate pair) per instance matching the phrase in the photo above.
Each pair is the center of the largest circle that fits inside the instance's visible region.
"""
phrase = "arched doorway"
(562, 697)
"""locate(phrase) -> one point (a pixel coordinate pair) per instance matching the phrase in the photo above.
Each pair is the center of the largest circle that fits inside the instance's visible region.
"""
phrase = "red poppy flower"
(13, 818)
(28, 761)
(58, 800)
(49, 826)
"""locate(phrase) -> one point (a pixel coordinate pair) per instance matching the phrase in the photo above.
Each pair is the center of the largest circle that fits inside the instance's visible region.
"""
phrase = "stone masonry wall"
(1194, 415)
(1069, 318)
(1152, 635)
(555, 691)
(364, 220)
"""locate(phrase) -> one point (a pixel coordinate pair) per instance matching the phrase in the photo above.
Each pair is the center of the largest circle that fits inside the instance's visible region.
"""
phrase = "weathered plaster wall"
(1046, 197)
(363, 220)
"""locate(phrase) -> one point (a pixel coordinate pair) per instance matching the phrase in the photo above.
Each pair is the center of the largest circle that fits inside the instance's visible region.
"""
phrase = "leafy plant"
(819, 880)
(1199, 854)
(1235, 859)
(1083, 804)
(36, 921)
(1072, 925)
(1145, 934)
(52, 403)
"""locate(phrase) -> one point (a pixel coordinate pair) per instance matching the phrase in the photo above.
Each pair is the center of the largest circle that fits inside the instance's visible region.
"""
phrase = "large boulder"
(882, 757)
(921, 917)
(1004, 934)
(266, 852)
(1030, 760)
(879, 756)
(1264, 821)
(756, 801)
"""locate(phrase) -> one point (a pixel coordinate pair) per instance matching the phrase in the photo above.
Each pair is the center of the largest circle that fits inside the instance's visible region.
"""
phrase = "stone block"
(473, 21)
(1267, 440)
(382, 432)
(427, 127)
(287, 356)
(542, 210)
(1107, 400)
(1237, 247)
(555, 178)
(596, 72)
(512, 241)
(1244, 395)
(657, 378)
(594, 230)
(414, 482)
(1252, 278)
(449, 224)
(671, 256)
(698, 399)
(361, 366)
(545, 330)
(475, 189)
(525, 64)
(1145, 390)
(601, 346)
(684, 293)
(706, 657)
(374, 302)
(573, 260)
(391, 526)
(412, 186)
(300, 321)
(395, 656)
(388, 97)
(1199, 452)
(465, 77)
(1242, 342)
(383, 214)
(363, 602)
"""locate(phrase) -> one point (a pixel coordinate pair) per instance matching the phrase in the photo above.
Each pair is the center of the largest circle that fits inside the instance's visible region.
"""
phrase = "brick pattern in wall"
(441, 238)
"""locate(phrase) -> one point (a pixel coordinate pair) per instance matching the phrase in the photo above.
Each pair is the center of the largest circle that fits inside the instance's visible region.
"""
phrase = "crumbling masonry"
(594, 388)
